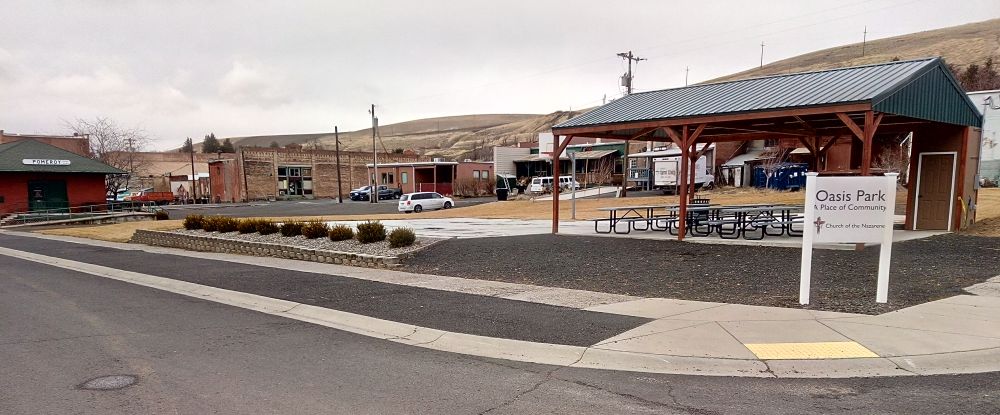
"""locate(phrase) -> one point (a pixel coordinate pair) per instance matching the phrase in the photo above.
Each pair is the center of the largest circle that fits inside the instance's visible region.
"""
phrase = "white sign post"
(849, 209)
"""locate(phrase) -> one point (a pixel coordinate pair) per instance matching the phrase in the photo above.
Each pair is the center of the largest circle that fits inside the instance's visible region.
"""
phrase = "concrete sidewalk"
(960, 334)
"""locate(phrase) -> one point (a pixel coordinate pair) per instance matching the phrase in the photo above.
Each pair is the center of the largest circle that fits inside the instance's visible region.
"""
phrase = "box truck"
(666, 171)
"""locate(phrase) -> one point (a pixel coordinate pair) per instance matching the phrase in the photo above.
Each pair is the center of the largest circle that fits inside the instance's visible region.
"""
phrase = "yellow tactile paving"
(819, 350)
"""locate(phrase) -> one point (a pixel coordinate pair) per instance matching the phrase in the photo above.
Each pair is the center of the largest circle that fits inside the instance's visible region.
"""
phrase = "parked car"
(540, 185)
(384, 193)
(420, 201)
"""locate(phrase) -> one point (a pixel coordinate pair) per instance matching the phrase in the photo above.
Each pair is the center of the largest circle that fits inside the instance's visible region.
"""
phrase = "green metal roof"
(13, 157)
(923, 89)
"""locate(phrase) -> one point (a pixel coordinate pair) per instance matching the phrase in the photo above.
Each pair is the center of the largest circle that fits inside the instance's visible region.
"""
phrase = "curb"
(533, 352)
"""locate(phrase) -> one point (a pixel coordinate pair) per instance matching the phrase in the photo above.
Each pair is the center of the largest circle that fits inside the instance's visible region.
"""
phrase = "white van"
(540, 185)
(567, 183)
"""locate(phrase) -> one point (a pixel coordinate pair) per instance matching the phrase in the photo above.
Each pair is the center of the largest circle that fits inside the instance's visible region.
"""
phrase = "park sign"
(851, 209)
(844, 210)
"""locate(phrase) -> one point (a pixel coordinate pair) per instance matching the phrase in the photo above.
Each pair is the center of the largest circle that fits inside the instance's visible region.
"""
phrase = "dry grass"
(988, 225)
(118, 232)
(987, 213)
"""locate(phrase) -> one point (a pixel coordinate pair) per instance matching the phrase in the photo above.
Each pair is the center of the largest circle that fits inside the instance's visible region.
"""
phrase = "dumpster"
(506, 185)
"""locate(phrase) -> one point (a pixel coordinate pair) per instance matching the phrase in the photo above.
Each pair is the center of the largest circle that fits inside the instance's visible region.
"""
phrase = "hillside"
(455, 137)
(958, 45)
(473, 136)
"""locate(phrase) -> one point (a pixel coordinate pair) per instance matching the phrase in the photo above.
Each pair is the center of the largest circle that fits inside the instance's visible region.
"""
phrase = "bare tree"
(604, 173)
(771, 163)
(113, 145)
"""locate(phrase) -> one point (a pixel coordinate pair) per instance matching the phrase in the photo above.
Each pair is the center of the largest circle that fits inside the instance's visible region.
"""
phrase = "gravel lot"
(352, 245)
(922, 270)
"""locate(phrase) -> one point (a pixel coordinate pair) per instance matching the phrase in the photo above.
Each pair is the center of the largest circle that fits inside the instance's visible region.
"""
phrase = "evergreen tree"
(227, 146)
(274, 144)
(188, 146)
(210, 145)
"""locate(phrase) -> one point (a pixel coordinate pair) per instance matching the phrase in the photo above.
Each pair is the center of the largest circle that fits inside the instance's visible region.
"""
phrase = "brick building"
(79, 144)
(258, 173)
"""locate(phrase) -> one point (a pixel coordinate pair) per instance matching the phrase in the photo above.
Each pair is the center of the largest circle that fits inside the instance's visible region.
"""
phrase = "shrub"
(247, 226)
(227, 224)
(193, 222)
(401, 237)
(291, 228)
(341, 233)
(210, 223)
(266, 227)
(315, 229)
(161, 215)
(370, 231)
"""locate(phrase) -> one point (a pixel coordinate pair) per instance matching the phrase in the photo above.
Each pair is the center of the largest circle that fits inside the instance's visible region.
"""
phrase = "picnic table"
(632, 215)
(749, 221)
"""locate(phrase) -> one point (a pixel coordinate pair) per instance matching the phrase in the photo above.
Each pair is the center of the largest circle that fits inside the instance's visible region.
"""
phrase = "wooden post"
(682, 181)
(557, 149)
(866, 145)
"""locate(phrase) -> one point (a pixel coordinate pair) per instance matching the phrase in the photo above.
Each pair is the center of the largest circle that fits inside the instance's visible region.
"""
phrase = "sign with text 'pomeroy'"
(45, 162)
(851, 209)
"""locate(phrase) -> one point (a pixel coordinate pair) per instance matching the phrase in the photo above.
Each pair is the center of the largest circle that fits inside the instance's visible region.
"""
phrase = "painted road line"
(804, 351)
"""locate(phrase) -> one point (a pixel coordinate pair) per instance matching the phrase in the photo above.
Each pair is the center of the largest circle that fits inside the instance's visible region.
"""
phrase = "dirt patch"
(922, 270)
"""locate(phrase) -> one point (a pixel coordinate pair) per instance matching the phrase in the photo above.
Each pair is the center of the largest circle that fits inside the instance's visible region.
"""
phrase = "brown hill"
(455, 137)
(958, 45)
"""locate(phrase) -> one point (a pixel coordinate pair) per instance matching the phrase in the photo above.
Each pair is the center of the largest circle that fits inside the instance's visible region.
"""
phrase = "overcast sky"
(187, 68)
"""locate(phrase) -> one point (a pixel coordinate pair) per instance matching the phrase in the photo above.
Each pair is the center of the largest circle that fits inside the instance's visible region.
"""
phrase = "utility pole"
(761, 54)
(373, 194)
(627, 78)
(686, 71)
(340, 189)
(864, 39)
(194, 178)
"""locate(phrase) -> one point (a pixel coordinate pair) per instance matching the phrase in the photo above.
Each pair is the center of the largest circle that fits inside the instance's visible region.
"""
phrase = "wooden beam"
(809, 146)
(644, 132)
(829, 143)
(713, 119)
(673, 136)
(858, 132)
(697, 133)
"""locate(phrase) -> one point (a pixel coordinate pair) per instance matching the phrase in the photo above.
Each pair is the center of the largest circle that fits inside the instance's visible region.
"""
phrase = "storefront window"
(295, 181)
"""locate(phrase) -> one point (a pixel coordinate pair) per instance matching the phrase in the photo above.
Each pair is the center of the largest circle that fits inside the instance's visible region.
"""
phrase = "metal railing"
(61, 211)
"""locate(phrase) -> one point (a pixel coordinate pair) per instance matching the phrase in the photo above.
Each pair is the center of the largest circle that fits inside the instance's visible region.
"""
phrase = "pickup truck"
(384, 193)
(160, 198)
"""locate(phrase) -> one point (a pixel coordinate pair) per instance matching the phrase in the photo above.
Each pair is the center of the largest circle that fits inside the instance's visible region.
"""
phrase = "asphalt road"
(314, 207)
(60, 328)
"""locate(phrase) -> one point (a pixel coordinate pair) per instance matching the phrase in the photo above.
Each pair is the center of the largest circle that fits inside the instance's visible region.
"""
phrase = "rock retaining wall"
(229, 246)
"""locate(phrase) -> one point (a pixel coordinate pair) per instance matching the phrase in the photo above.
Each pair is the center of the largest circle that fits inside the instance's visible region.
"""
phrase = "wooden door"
(934, 192)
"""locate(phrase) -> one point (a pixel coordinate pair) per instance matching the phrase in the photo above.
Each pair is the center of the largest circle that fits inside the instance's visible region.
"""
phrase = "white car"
(420, 201)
